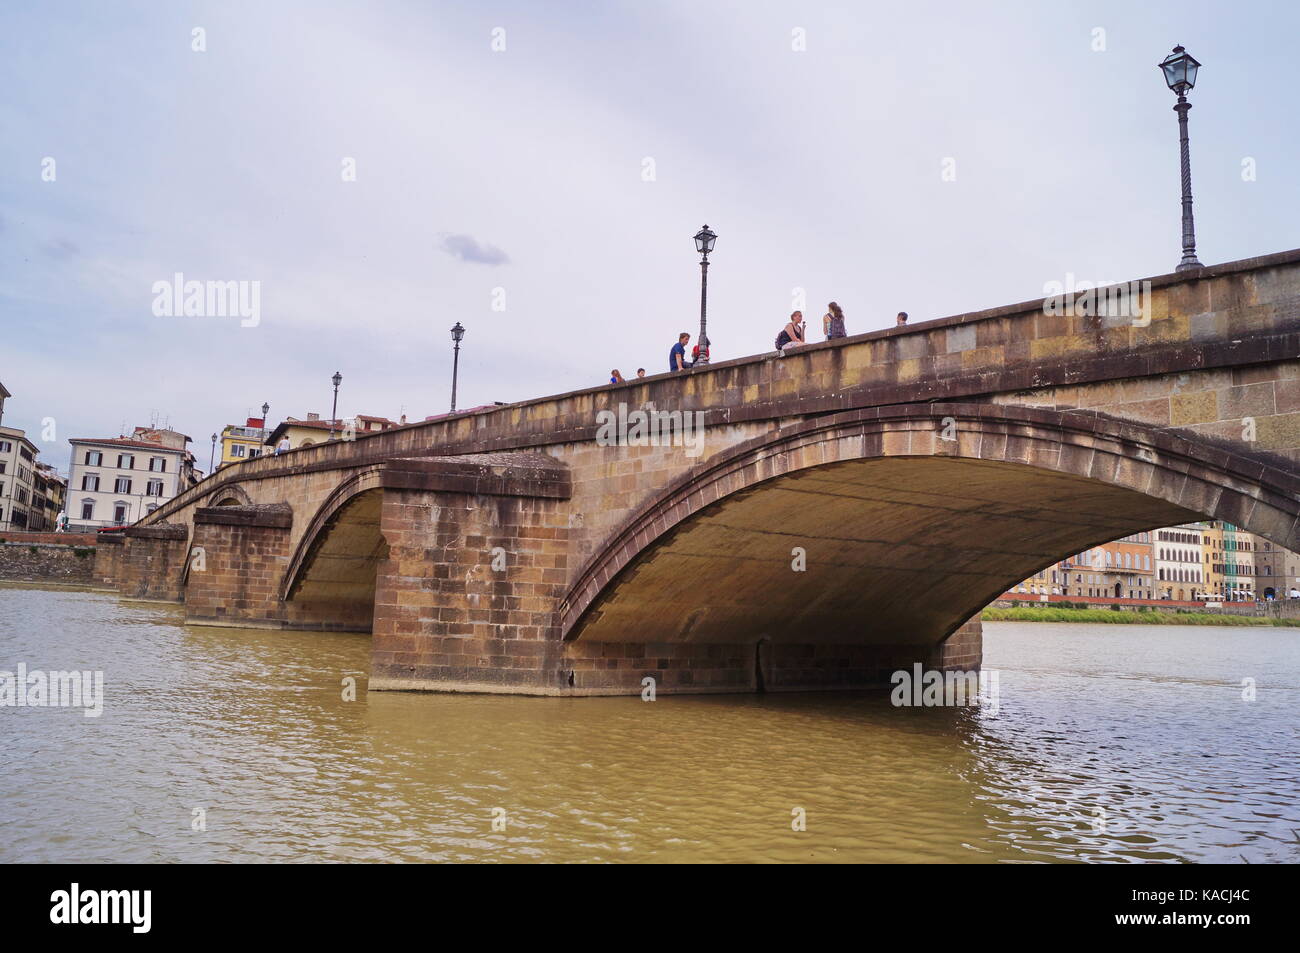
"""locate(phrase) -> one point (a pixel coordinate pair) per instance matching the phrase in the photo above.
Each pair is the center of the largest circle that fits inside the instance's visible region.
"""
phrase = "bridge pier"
(109, 548)
(152, 562)
(477, 563)
(237, 562)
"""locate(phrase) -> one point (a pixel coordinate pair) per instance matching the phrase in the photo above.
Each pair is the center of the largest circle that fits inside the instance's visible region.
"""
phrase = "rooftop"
(124, 442)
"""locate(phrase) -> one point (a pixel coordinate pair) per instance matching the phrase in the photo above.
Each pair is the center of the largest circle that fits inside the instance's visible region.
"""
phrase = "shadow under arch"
(910, 520)
(331, 576)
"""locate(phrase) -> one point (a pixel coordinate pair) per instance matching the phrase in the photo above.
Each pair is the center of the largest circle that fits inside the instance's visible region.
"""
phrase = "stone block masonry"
(152, 565)
(236, 562)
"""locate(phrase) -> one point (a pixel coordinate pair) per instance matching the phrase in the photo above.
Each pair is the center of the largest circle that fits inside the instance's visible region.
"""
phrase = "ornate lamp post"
(457, 333)
(334, 414)
(266, 409)
(704, 240)
(213, 455)
(1180, 75)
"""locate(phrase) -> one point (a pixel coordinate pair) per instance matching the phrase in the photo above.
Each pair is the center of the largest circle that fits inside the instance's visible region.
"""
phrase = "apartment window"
(6, 446)
(158, 464)
(122, 485)
(151, 507)
(126, 461)
(87, 509)
(119, 512)
(90, 481)
(94, 458)
(155, 488)
(237, 450)
(2, 466)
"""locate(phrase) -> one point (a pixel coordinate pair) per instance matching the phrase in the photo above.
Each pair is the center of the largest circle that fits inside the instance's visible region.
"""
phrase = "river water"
(1112, 743)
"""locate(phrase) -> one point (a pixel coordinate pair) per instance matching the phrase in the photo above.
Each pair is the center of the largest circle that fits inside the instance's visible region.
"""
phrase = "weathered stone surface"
(65, 563)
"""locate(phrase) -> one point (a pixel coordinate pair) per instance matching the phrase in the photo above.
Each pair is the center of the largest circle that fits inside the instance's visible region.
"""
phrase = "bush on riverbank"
(1156, 617)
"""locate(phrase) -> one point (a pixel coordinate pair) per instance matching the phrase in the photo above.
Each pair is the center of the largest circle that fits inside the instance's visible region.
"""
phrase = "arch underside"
(336, 580)
(904, 536)
(897, 550)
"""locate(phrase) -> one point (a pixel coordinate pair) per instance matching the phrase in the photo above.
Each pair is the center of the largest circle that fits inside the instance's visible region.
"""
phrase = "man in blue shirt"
(677, 356)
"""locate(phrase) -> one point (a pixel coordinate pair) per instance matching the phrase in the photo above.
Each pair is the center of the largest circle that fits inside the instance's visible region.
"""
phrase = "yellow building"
(1212, 558)
(242, 443)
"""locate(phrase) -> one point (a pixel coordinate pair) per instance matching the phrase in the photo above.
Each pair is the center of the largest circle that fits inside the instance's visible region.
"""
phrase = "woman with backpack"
(833, 322)
(791, 335)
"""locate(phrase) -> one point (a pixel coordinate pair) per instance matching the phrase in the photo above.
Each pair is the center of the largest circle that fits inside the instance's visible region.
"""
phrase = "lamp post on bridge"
(457, 333)
(213, 455)
(704, 240)
(266, 409)
(1179, 69)
(334, 414)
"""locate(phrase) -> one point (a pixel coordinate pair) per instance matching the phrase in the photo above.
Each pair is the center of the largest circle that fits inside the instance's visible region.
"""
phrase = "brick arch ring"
(1199, 476)
(229, 494)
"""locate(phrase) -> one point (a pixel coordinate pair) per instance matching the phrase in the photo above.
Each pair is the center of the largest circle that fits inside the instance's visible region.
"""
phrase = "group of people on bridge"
(792, 335)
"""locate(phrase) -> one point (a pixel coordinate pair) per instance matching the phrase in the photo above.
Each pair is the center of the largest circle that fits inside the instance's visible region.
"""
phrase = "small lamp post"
(266, 409)
(213, 455)
(457, 333)
(337, 379)
(1179, 69)
(704, 240)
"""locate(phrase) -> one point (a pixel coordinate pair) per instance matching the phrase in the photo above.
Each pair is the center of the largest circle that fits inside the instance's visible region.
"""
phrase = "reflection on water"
(1112, 743)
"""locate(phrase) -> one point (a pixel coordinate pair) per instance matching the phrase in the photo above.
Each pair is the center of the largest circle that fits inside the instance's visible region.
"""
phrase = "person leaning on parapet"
(833, 322)
(640, 372)
(791, 335)
(282, 446)
(677, 356)
(902, 318)
(615, 377)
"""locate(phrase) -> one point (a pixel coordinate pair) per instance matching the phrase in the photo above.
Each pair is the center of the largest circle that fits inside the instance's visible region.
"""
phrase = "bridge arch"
(331, 575)
(910, 519)
(229, 494)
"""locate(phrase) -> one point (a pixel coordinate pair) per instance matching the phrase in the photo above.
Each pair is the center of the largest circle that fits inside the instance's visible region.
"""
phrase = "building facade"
(116, 481)
(313, 430)
(1179, 553)
(1238, 564)
(239, 443)
(1212, 559)
(1122, 569)
(1277, 570)
(53, 490)
(19, 508)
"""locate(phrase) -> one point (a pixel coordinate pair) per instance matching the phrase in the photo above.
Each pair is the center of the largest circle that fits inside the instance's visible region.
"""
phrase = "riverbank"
(1154, 617)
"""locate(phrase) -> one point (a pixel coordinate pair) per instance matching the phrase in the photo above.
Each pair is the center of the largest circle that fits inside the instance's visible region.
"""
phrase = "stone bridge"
(845, 510)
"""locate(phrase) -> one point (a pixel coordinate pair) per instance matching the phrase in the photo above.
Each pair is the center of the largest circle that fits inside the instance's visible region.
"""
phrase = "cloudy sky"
(536, 172)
